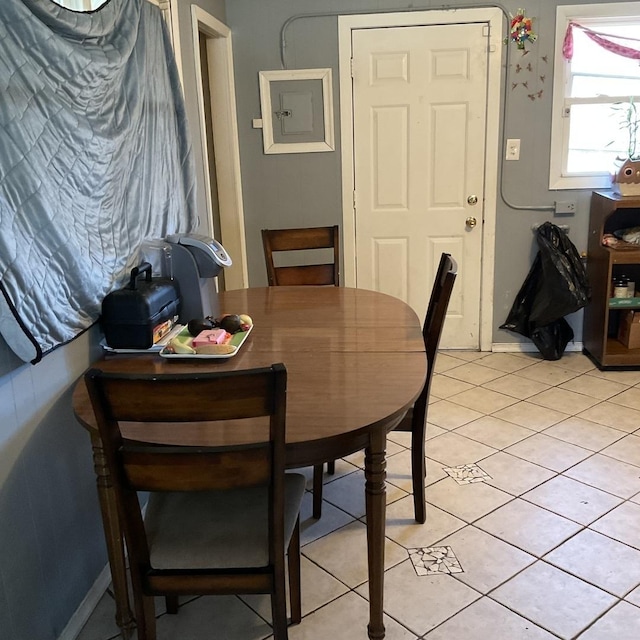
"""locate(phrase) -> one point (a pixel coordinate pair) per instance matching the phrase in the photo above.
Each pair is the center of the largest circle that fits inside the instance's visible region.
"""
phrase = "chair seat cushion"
(216, 529)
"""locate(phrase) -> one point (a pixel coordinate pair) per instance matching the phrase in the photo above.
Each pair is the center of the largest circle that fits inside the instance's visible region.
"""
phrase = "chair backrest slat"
(312, 274)
(284, 240)
(194, 397)
(185, 470)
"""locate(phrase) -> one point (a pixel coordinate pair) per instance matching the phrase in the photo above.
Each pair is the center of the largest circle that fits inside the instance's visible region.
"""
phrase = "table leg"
(114, 539)
(375, 474)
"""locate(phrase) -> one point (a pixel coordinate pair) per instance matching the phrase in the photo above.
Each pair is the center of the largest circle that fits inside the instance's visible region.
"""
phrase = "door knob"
(472, 199)
(471, 222)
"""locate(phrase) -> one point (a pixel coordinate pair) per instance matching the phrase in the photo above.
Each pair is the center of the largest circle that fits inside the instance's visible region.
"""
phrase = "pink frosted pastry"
(210, 336)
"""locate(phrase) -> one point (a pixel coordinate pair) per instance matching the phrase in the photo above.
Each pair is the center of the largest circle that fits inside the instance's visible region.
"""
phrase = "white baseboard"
(87, 606)
(527, 347)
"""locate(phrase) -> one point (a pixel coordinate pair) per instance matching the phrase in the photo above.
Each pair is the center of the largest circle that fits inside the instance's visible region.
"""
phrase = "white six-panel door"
(419, 129)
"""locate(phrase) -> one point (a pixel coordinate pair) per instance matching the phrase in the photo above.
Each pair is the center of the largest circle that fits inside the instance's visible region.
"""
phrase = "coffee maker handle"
(212, 249)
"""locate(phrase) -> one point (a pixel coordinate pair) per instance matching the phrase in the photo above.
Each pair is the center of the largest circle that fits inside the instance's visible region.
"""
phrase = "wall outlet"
(565, 207)
(513, 149)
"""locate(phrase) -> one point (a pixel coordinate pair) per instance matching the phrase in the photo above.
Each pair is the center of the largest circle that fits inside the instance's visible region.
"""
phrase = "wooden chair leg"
(317, 491)
(293, 559)
(145, 617)
(331, 467)
(171, 603)
(418, 475)
(279, 610)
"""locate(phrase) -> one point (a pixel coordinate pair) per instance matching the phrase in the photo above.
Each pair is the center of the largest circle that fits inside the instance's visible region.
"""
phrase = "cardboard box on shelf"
(629, 330)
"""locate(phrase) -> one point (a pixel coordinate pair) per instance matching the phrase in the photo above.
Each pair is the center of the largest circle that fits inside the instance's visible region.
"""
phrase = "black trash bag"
(552, 339)
(518, 318)
(555, 286)
(564, 288)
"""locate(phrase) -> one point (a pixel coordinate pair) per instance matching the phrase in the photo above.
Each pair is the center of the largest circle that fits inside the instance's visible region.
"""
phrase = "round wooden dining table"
(355, 364)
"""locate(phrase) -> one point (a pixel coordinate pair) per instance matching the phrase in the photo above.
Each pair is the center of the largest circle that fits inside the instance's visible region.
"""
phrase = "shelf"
(624, 303)
(618, 355)
(624, 256)
(619, 202)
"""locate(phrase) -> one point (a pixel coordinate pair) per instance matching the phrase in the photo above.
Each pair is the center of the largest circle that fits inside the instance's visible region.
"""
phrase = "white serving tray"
(237, 340)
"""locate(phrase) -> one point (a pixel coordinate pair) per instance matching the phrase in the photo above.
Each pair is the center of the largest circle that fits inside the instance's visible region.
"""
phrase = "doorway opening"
(212, 49)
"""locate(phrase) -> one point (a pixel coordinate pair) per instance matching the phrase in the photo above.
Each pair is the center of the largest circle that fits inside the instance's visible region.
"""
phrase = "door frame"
(494, 17)
(226, 141)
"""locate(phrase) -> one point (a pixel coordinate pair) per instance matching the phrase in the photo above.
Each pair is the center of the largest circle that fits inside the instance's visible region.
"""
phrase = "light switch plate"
(513, 149)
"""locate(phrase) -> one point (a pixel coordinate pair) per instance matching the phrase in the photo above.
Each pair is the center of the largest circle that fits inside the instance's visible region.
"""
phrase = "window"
(590, 92)
(81, 5)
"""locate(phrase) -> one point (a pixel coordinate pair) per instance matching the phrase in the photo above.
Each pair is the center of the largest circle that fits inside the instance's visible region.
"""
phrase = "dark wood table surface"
(355, 362)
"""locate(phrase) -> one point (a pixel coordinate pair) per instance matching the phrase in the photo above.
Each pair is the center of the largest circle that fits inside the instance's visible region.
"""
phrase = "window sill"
(581, 182)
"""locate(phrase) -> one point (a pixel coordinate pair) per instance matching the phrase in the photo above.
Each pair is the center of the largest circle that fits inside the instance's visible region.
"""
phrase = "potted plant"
(626, 177)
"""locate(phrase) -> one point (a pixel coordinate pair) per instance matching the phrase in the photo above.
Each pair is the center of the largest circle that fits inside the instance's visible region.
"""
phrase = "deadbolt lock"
(472, 199)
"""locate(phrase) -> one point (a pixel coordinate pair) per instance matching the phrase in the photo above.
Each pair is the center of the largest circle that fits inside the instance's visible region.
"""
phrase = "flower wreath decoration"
(521, 30)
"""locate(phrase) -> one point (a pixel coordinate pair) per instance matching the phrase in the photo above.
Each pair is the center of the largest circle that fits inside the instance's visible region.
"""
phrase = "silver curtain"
(94, 158)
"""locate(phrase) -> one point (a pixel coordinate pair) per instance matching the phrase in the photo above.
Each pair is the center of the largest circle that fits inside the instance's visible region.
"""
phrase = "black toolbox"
(137, 315)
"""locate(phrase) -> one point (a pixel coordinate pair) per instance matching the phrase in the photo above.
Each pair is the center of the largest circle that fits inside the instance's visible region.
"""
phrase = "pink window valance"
(605, 40)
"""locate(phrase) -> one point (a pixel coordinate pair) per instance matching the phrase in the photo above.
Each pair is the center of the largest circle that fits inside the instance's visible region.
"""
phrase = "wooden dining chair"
(218, 520)
(287, 240)
(415, 420)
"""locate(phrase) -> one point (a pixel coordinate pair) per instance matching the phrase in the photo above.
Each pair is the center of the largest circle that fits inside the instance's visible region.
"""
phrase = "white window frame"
(582, 14)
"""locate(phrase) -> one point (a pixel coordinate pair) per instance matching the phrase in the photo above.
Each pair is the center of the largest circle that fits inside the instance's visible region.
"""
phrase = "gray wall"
(304, 189)
(51, 541)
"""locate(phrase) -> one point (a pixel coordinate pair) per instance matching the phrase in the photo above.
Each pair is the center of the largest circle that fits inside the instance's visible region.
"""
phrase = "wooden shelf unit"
(609, 212)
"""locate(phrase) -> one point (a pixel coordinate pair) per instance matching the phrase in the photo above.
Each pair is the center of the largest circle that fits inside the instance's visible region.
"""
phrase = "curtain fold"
(95, 157)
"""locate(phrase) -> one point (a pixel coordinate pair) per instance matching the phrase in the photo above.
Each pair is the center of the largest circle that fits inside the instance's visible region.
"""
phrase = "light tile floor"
(540, 540)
